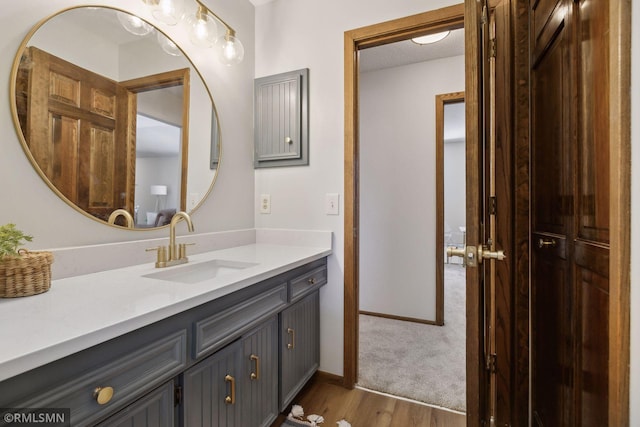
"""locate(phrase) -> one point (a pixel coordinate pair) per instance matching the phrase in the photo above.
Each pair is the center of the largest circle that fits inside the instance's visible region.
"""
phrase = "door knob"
(468, 254)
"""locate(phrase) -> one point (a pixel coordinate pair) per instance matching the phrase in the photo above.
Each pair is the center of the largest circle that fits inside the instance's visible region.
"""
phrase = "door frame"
(441, 101)
(447, 18)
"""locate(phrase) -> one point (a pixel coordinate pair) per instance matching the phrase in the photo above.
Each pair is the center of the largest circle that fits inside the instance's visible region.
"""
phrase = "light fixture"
(430, 38)
(202, 28)
(133, 24)
(168, 46)
(230, 49)
(168, 11)
(158, 191)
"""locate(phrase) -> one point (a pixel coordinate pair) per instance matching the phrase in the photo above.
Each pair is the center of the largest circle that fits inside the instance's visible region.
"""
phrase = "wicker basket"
(27, 274)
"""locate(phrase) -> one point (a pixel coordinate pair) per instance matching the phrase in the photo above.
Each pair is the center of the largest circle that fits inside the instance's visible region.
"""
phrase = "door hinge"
(491, 364)
(493, 205)
(492, 48)
(177, 395)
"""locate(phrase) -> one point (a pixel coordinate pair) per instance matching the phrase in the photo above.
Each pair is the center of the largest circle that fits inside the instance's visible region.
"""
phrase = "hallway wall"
(398, 185)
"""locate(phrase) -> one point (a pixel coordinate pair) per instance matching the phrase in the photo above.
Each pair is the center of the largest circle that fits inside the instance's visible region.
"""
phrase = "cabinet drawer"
(156, 409)
(130, 376)
(221, 328)
(307, 282)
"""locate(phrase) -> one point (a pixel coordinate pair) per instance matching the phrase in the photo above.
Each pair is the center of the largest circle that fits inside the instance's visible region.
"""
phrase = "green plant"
(10, 239)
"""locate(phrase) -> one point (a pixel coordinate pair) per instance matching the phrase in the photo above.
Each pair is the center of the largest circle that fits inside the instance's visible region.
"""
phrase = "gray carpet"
(418, 361)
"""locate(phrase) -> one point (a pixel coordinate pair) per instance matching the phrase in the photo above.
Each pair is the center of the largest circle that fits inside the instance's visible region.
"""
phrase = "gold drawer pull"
(103, 395)
(231, 399)
(546, 243)
(256, 375)
(312, 281)
(292, 344)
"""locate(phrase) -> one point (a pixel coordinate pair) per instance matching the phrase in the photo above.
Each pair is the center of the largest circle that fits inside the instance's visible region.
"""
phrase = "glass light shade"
(229, 49)
(133, 24)
(202, 29)
(168, 46)
(430, 38)
(168, 11)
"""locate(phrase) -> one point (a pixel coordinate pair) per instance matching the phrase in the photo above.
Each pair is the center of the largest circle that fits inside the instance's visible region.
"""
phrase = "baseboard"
(406, 319)
(326, 377)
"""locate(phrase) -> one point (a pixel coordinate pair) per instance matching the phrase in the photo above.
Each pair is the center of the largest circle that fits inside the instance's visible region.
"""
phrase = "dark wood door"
(78, 127)
(570, 212)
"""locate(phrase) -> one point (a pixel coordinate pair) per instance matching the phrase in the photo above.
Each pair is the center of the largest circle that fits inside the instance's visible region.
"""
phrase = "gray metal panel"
(299, 363)
(153, 410)
(307, 282)
(205, 389)
(260, 395)
(211, 331)
(129, 376)
(281, 118)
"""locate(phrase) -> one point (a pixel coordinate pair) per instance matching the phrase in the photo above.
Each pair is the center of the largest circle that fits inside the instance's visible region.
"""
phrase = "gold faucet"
(115, 214)
(173, 249)
(177, 254)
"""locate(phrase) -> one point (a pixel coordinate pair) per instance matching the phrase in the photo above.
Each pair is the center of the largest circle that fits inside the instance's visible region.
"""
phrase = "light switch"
(332, 204)
(265, 203)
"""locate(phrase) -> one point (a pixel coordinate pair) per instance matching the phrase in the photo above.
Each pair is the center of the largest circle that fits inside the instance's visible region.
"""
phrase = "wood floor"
(365, 409)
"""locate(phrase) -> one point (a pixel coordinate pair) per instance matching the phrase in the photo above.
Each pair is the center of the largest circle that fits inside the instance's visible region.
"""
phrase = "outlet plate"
(265, 203)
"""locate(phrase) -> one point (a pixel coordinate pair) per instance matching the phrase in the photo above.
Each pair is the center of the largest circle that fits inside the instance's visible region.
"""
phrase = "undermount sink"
(198, 272)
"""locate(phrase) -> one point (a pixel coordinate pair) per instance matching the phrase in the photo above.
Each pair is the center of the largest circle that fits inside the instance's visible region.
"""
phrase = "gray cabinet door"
(300, 346)
(211, 389)
(260, 375)
(153, 410)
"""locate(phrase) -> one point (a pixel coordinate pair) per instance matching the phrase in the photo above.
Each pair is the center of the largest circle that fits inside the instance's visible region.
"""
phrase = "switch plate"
(332, 204)
(265, 203)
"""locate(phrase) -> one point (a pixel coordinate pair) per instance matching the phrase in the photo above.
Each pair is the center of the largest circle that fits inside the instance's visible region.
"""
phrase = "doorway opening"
(402, 272)
(442, 20)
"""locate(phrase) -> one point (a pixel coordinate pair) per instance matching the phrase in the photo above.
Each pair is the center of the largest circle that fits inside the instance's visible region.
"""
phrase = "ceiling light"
(202, 28)
(133, 24)
(430, 38)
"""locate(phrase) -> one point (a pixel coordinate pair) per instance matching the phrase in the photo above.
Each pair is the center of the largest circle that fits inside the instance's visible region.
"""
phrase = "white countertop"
(82, 311)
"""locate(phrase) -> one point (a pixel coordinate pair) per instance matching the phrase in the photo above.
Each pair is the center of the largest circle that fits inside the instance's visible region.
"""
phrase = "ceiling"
(407, 52)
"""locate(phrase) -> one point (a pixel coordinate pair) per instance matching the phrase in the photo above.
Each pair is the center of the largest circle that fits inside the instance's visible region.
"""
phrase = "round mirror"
(114, 117)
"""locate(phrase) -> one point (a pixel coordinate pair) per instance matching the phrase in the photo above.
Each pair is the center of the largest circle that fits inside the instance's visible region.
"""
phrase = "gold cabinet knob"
(312, 281)
(103, 395)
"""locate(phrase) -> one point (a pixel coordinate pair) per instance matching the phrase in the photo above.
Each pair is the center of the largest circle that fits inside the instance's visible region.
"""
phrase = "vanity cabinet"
(156, 409)
(236, 386)
(300, 346)
(233, 361)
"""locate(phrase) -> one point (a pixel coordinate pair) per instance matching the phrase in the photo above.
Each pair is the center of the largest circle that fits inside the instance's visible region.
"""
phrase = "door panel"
(570, 206)
(78, 127)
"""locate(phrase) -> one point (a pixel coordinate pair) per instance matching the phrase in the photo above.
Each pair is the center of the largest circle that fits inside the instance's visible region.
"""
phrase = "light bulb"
(202, 28)
(168, 11)
(168, 45)
(230, 49)
(133, 24)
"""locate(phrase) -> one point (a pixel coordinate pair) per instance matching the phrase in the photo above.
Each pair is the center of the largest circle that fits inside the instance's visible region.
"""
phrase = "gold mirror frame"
(215, 124)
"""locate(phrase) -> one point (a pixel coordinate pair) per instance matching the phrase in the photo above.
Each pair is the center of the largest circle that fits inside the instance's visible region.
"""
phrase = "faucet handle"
(162, 254)
(182, 250)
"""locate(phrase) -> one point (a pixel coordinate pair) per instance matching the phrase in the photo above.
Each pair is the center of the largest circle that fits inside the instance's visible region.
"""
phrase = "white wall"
(398, 185)
(27, 200)
(635, 219)
(294, 34)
